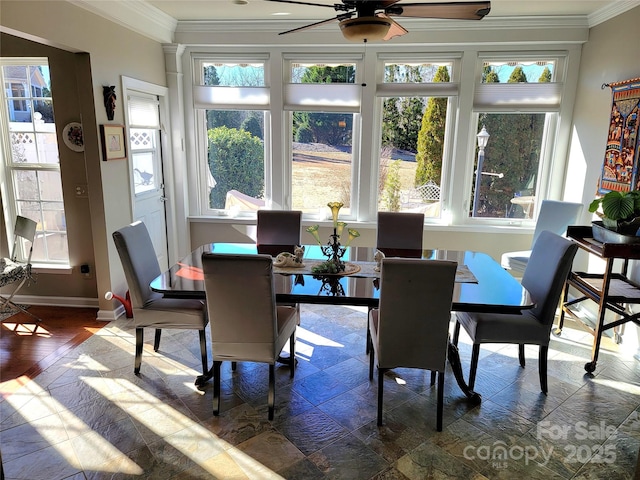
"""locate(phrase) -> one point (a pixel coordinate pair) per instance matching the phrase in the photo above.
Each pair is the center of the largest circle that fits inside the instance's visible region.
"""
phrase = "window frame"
(460, 143)
(551, 130)
(8, 167)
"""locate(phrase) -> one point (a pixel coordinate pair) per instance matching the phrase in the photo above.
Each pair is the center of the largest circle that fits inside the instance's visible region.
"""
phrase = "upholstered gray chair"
(400, 234)
(554, 216)
(410, 327)
(246, 323)
(151, 309)
(544, 278)
(14, 270)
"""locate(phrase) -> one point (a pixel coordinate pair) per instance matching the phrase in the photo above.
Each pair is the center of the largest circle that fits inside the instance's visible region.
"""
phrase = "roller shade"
(328, 97)
(221, 98)
(528, 96)
(143, 112)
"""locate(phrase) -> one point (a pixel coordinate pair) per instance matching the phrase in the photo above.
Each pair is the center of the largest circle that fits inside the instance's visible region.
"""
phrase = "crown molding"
(414, 24)
(136, 15)
(612, 10)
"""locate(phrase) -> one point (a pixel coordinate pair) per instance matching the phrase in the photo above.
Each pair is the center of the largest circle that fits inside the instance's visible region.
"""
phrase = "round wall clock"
(72, 136)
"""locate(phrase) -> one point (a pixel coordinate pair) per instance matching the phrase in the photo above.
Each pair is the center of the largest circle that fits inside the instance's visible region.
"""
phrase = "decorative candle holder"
(333, 250)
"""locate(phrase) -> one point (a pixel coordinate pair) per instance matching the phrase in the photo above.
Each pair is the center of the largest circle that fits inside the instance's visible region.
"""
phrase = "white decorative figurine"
(290, 260)
(378, 258)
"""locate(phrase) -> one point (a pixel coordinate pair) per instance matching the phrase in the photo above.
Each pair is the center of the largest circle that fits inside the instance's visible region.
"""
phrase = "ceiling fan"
(364, 20)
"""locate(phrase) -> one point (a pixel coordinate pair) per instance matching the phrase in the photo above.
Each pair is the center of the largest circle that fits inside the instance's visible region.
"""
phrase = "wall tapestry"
(621, 171)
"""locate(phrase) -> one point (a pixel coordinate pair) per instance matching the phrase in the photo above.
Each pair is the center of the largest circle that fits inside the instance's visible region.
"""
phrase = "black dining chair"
(544, 278)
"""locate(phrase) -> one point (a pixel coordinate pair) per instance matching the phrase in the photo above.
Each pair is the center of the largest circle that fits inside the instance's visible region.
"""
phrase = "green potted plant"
(620, 211)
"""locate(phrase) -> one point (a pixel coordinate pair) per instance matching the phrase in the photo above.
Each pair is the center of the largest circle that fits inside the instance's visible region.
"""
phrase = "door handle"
(163, 198)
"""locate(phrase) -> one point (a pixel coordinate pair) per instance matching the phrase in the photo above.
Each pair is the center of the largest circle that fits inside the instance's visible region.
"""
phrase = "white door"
(145, 155)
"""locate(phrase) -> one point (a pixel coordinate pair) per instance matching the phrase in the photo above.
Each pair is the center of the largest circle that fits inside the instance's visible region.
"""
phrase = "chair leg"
(234, 366)
(475, 352)
(216, 387)
(292, 354)
(440, 401)
(433, 377)
(456, 333)
(203, 351)
(521, 354)
(368, 345)
(542, 367)
(380, 389)
(139, 343)
(371, 358)
(272, 389)
(156, 340)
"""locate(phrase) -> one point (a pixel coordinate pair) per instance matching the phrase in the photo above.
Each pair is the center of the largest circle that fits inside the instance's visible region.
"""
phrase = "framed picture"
(114, 145)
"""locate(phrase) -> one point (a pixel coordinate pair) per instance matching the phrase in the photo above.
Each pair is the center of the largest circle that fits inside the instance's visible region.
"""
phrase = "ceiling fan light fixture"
(364, 29)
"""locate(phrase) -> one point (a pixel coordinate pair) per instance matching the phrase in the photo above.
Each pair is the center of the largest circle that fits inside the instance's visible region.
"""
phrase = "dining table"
(481, 285)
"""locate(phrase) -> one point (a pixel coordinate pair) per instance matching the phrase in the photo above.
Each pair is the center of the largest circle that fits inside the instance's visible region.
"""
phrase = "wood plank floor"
(27, 347)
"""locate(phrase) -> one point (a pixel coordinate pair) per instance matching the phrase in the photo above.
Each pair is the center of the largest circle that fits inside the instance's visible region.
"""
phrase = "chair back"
(24, 230)
(414, 312)
(278, 227)
(139, 262)
(546, 273)
(555, 216)
(242, 306)
(399, 231)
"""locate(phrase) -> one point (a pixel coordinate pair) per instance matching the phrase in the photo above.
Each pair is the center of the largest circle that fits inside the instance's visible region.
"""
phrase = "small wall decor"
(621, 171)
(114, 146)
(72, 136)
(109, 93)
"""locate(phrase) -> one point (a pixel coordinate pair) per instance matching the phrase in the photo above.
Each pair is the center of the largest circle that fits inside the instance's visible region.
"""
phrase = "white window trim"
(460, 144)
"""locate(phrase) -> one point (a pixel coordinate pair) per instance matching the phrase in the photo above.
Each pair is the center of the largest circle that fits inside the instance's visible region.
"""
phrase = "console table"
(610, 290)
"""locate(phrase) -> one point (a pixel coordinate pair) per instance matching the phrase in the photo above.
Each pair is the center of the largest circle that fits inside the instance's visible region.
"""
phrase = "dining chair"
(278, 229)
(554, 216)
(246, 323)
(410, 327)
(400, 234)
(544, 278)
(152, 309)
(18, 270)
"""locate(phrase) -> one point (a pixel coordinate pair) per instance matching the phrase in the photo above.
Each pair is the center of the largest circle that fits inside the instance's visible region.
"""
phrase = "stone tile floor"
(89, 417)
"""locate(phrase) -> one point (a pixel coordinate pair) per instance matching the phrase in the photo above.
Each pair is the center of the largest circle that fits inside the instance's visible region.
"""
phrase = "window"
(380, 130)
(30, 156)
(516, 103)
(414, 125)
(230, 96)
(323, 100)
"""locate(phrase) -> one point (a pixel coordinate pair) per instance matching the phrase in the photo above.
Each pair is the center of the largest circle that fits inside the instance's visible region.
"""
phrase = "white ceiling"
(265, 10)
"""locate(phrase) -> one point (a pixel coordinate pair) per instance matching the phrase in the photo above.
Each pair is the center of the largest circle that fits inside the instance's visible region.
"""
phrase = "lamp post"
(483, 139)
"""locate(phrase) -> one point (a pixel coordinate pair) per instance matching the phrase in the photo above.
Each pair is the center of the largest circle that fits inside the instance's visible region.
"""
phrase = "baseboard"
(56, 301)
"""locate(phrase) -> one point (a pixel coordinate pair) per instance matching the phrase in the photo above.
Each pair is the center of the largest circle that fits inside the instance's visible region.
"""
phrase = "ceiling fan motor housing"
(361, 29)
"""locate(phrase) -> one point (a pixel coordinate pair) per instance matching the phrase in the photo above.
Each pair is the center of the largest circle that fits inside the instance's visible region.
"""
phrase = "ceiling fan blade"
(336, 7)
(396, 30)
(312, 25)
(448, 10)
